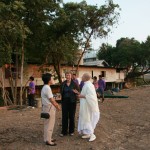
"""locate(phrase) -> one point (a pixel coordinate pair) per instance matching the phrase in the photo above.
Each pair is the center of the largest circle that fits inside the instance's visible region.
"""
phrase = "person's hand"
(80, 96)
(75, 91)
(58, 107)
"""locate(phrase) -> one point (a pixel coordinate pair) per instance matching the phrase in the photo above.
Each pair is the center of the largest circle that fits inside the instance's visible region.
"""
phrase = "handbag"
(45, 115)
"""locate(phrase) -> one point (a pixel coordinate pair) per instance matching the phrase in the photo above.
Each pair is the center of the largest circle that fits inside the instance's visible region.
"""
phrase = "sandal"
(53, 140)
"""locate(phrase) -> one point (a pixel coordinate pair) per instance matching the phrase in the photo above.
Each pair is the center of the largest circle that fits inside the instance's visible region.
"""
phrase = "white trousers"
(49, 123)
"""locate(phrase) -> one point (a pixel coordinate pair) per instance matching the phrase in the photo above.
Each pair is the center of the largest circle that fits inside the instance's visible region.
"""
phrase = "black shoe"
(53, 140)
(54, 144)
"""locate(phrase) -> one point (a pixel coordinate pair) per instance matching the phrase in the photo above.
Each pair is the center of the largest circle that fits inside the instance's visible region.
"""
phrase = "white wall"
(111, 75)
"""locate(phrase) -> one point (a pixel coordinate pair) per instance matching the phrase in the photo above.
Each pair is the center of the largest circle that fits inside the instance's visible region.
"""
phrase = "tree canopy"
(12, 29)
(128, 53)
(56, 31)
(59, 33)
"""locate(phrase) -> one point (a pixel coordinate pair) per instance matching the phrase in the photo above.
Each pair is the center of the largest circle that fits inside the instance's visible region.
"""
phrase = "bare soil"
(124, 125)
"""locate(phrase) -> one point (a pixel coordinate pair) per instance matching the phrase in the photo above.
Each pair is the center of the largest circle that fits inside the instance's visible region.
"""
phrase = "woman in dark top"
(69, 99)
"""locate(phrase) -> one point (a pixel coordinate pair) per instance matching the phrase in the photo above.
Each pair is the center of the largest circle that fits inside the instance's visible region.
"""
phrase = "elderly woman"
(49, 105)
(69, 101)
(89, 113)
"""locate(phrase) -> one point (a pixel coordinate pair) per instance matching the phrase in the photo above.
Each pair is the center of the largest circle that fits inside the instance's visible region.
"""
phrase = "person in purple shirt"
(31, 92)
(74, 78)
(101, 87)
(81, 85)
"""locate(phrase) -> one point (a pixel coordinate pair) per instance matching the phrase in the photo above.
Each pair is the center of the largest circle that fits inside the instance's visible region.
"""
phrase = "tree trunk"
(23, 90)
(3, 83)
(11, 82)
(57, 69)
(21, 73)
(3, 86)
(85, 48)
(16, 80)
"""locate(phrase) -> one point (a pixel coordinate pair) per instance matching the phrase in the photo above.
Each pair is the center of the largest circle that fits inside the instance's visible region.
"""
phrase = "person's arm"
(56, 105)
(77, 87)
(62, 87)
(51, 99)
(78, 94)
(81, 96)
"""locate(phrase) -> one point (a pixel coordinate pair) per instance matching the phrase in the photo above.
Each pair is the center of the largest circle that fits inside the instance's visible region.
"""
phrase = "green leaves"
(128, 53)
(52, 32)
(12, 28)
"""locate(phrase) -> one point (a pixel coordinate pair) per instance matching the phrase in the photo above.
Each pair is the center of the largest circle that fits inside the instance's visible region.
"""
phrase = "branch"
(85, 47)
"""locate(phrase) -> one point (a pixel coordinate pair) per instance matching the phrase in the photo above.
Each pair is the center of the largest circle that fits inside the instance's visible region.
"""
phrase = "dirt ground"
(124, 125)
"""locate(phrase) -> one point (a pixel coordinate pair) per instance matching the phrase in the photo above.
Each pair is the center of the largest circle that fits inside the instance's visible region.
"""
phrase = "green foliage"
(128, 53)
(12, 29)
(55, 32)
(106, 53)
(89, 20)
(145, 58)
(38, 17)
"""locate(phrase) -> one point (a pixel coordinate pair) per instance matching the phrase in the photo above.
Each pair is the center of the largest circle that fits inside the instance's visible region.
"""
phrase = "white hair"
(87, 76)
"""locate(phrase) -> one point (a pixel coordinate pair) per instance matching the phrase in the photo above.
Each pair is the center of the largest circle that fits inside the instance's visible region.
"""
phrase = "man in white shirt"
(49, 105)
(89, 113)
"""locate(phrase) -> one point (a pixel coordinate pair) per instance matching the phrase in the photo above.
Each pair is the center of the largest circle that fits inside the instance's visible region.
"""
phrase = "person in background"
(49, 105)
(89, 113)
(95, 82)
(101, 87)
(81, 85)
(31, 92)
(69, 101)
(74, 78)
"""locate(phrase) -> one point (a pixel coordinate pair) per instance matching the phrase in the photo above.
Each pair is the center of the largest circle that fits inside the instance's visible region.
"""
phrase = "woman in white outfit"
(89, 113)
(49, 105)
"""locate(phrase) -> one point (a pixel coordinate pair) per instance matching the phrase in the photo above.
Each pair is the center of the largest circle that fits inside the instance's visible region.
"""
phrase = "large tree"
(68, 28)
(52, 40)
(60, 30)
(37, 17)
(128, 53)
(13, 31)
(91, 21)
